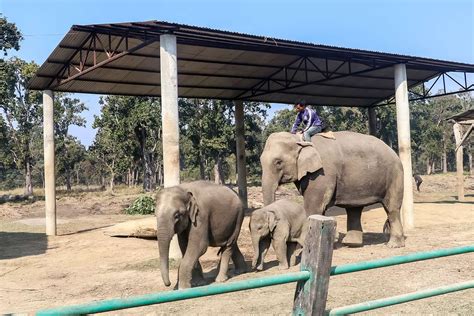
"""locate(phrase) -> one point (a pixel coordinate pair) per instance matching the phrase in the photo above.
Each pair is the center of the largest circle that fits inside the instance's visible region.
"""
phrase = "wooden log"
(310, 296)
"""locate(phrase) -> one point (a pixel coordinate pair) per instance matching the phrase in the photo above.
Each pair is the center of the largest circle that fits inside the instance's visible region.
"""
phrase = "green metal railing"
(394, 300)
(170, 296)
(386, 262)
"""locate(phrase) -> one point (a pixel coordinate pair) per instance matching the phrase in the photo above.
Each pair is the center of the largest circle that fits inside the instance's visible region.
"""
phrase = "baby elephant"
(202, 214)
(285, 223)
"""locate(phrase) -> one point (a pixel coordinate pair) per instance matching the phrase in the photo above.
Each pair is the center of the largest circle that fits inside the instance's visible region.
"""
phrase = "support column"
(404, 146)
(240, 144)
(169, 116)
(372, 121)
(49, 164)
(459, 161)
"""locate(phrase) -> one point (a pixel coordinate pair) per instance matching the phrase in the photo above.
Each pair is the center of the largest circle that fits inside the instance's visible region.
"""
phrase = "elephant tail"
(238, 225)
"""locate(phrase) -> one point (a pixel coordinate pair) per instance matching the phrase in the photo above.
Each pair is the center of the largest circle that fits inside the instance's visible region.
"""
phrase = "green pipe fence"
(171, 296)
(394, 300)
(386, 262)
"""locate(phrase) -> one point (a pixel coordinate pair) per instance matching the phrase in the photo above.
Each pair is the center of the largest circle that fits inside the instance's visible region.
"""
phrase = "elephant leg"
(291, 252)
(197, 274)
(264, 245)
(189, 262)
(318, 195)
(238, 259)
(280, 247)
(226, 253)
(393, 225)
(354, 236)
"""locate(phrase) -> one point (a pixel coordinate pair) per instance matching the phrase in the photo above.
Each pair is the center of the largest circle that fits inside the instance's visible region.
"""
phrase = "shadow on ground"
(446, 202)
(21, 244)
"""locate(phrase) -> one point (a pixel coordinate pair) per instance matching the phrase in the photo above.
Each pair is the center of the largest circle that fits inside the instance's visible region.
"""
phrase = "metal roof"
(123, 59)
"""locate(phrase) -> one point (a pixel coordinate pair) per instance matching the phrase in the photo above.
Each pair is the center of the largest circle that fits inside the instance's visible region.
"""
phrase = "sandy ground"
(82, 264)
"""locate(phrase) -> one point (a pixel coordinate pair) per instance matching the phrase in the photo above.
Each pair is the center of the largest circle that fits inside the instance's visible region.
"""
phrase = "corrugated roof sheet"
(228, 65)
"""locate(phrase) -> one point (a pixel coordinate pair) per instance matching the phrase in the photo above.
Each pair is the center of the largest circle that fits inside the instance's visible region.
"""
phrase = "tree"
(21, 108)
(69, 151)
(10, 35)
(129, 131)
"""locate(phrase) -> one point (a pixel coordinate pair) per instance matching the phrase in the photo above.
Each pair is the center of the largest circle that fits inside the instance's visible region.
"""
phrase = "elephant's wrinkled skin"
(352, 171)
(202, 214)
(284, 224)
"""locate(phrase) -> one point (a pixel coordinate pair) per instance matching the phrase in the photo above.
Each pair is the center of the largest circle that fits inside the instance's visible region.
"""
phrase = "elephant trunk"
(269, 187)
(256, 250)
(164, 239)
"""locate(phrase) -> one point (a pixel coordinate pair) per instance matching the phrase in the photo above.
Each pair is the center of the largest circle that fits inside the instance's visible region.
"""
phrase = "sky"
(434, 29)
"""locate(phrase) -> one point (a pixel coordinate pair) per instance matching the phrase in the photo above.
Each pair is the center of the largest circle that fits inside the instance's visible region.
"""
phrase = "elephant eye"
(177, 215)
(278, 163)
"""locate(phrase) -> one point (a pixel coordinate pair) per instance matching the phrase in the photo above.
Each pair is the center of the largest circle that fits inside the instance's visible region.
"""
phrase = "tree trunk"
(218, 177)
(428, 166)
(28, 182)
(469, 153)
(77, 176)
(445, 160)
(68, 179)
(137, 175)
(111, 182)
(202, 174)
(433, 166)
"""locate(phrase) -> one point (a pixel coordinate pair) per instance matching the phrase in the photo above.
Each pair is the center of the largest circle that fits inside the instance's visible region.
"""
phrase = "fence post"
(310, 296)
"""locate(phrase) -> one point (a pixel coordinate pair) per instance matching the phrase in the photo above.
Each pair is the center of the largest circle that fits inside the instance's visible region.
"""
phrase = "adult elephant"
(352, 171)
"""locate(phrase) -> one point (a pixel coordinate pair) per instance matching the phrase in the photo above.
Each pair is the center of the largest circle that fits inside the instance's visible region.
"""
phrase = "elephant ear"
(193, 208)
(272, 221)
(309, 159)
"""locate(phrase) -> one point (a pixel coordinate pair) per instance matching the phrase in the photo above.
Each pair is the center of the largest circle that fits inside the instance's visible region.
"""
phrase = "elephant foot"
(184, 285)
(396, 242)
(198, 282)
(241, 270)
(222, 278)
(283, 266)
(353, 239)
(259, 268)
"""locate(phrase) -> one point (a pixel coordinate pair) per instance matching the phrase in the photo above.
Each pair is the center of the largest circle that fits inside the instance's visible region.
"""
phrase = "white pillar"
(49, 164)
(169, 116)
(240, 150)
(372, 121)
(404, 146)
(459, 161)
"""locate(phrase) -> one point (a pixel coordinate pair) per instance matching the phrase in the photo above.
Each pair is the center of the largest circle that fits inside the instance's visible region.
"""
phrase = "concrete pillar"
(372, 121)
(240, 144)
(169, 116)
(459, 161)
(49, 164)
(404, 146)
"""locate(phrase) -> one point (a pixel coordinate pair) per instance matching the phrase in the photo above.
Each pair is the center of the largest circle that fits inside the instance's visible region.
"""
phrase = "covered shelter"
(172, 60)
(459, 120)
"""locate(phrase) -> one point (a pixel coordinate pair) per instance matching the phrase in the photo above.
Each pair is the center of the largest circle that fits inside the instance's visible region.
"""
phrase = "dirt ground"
(82, 264)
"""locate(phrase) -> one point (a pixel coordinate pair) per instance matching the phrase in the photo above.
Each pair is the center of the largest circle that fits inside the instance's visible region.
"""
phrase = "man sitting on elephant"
(309, 117)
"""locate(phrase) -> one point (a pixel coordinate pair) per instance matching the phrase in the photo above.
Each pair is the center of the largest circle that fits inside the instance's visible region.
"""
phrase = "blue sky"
(435, 29)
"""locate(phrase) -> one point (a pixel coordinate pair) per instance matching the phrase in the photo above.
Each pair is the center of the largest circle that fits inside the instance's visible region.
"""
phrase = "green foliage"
(143, 205)
(10, 35)
(129, 135)
(22, 112)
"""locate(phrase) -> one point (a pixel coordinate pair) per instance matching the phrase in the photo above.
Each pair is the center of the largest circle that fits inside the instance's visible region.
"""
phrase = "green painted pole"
(170, 296)
(394, 300)
(417, 256)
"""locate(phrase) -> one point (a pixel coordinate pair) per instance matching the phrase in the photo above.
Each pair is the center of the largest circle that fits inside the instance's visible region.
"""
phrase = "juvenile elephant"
(202, 214)
(283, 223)
(351, 171)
